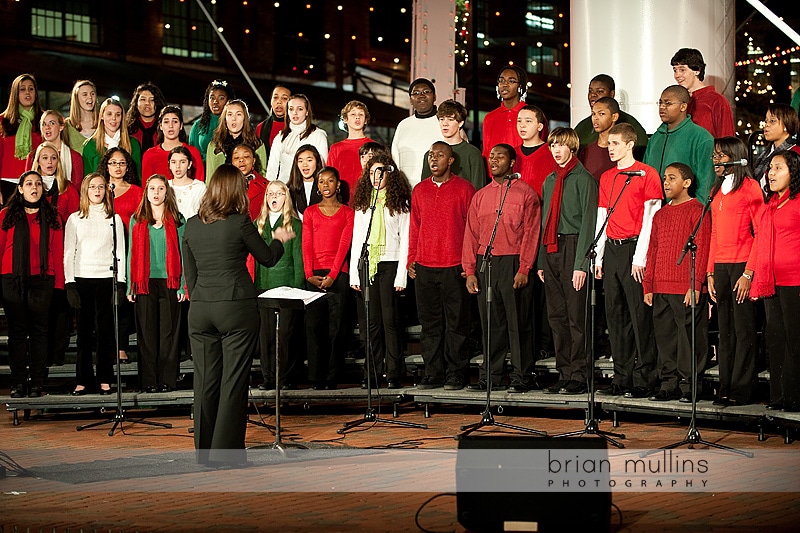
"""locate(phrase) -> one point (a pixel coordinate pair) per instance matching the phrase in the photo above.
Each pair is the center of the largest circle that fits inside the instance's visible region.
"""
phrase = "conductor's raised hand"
(282, 234)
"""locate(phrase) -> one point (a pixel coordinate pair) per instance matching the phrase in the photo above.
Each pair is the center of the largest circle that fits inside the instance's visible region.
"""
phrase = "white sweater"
(281, 155)
(412, 138)
(396, 243)
(88, 245)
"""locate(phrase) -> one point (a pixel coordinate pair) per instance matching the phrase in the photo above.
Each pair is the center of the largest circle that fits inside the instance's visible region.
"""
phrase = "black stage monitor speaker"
(516, 510)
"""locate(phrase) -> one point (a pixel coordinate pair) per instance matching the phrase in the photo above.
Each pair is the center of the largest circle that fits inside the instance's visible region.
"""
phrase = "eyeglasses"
(507, 81)
(275, 194)
(425, 92)
(97, 187)
(716, 156)
(118, 163)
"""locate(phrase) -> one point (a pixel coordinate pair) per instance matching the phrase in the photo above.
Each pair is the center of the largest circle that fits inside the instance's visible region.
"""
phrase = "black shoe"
(163, 388)
(18, 391)
(638, 392)
(288, 386)
(429, 383)
(481, 385)
(104, 391)
(34, 392)
(363, 383)
(686, 397)
(723, 401)
(265, 385)
(518, 387)
(80, 392)
(453, 383)
(574, 387)
(557, 386)
(777, 406)
(665, 396)
(612, 390)
(394, 384)
(151, 389)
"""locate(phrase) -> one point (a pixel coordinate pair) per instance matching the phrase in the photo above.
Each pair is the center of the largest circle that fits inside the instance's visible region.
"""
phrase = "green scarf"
(377, 235)
(22, 142)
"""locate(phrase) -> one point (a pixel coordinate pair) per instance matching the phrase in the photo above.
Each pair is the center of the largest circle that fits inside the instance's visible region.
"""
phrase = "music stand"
(119, 416)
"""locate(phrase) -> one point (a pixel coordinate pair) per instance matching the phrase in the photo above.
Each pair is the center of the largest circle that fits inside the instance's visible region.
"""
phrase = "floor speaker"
(522, 510)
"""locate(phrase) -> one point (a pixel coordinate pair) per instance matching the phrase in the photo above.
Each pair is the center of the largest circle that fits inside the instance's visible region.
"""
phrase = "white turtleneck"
(281, 155)
(88, 244)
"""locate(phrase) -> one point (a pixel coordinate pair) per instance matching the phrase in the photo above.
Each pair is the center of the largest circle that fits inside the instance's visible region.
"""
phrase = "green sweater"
(200, 139)
(91, 159)
(158, 253)
(288, 271)
(468, 163)
(213, 160)
(578, 211)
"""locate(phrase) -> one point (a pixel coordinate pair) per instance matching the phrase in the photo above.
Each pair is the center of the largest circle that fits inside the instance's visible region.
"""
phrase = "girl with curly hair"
(382, 185)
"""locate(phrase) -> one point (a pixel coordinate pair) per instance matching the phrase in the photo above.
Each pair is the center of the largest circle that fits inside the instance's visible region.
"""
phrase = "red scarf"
(763, 285)
(140, 256)
(550, 236)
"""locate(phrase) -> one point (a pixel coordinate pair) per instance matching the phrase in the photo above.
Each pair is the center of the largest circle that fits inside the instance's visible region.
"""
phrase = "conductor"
(223, 317)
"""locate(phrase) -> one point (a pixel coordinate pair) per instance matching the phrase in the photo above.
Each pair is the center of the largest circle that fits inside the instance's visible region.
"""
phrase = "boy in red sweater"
(666, 285)
(439, 206)
(534, 160)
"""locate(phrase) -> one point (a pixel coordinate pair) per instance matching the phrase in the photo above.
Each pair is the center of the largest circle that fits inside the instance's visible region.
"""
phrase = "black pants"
(291, 357)
(27, 315)
(385, 334)
(444, 310)
(509, 323)
(224, 336)
(736, 353)
(630, 321)
(59, 326)
(324, 331)
(95, 321)
(672, 321)
(158, 316)
(566, 310)
(783, 343)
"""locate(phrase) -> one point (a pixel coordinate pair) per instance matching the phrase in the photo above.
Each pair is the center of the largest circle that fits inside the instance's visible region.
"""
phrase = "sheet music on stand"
(290, 297)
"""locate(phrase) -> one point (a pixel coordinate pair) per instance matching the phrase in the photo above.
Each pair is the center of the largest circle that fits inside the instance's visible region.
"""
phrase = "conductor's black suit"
(223, 329)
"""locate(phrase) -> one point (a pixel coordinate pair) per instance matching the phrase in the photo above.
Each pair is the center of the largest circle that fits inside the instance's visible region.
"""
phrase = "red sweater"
(712, 111)
(12, 168)
(734, 219)
(69, 202)
(438, 218)
(326, 240)
(786, 245)
(518, 231)
(500, 126)
(344, 157)
(535, 167)
(156, 161)
(672, 226)
(55, 251)
(255, 193)
(126, 205)
(76, 176)
(595, 159)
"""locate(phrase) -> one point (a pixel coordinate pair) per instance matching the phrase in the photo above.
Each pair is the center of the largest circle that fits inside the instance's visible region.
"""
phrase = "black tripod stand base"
(593, 428)
(370, 417)
(693, 439)
(120, 418)
(488, 420)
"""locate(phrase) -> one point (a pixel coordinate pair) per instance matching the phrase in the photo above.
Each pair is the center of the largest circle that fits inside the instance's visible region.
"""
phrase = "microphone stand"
(119, 416)
(693, 435)
(363, 271)
(592, 423)
(487, 419)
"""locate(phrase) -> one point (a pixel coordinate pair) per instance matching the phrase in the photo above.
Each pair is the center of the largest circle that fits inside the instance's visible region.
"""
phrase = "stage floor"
(185, 497)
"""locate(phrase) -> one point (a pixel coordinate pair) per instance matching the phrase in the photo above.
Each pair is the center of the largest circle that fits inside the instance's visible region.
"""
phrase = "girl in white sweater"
(88, 244)
(299, 130)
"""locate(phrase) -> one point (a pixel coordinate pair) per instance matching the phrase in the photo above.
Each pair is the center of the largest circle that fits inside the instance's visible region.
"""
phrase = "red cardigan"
(12, 168)
(734, 219)
(55, 255)
(326, 240)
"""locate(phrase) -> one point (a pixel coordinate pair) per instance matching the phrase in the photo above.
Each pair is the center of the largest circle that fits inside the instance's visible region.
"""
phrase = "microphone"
(387, 168)
(632, 172)
(111, 186)
(737, 163)
(514, 176)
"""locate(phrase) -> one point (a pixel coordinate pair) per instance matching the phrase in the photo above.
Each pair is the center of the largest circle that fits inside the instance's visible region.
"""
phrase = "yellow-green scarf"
(22, 142)
(377, 235)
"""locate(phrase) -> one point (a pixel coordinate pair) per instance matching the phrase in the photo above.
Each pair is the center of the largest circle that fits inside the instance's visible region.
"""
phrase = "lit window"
(64, 20)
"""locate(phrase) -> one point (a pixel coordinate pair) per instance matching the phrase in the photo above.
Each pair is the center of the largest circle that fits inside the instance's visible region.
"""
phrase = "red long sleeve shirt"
(55, 251)
(156, 161)
(734, 219)
(343, 156)
(326, 240)
(518, 231)
(500, 126)
(712, 111)
(438, 218)
(535, 167)
(672, 225)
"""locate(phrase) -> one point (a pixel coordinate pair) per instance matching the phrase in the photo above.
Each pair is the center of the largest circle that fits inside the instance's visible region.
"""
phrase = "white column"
(433, 46)
(633, 42)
